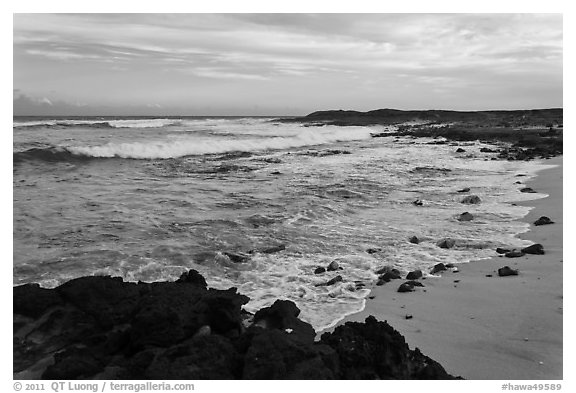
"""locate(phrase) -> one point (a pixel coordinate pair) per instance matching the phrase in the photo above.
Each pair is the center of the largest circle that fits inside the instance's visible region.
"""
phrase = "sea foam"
(182, 147)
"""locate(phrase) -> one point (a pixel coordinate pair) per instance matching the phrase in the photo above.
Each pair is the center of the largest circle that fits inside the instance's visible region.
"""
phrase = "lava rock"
(535, 249)
(330, 282)
(465, 217)
(446, 243)
(236, 257)
(273, 250)
(32, 301)
(333, 266)
(414, 275)
(543, 221)
(408, 286)
(471, 200)
(507, 271)
(193, 277)
(276, 355)
(374, 350)
(514, 254)
(414, 240)
(388, 269)
(439, 267)
(104, 328)
(414, 283)
(282, 315)
(389, 276)
(319, 270)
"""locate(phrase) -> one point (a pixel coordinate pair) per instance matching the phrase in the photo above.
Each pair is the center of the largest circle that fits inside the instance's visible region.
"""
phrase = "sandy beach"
(482, 327)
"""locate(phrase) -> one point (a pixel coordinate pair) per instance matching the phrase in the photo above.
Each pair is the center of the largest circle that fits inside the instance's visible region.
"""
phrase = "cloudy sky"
(283, 64)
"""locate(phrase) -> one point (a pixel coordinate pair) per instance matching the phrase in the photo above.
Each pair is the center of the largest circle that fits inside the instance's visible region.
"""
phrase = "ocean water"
(147, 199)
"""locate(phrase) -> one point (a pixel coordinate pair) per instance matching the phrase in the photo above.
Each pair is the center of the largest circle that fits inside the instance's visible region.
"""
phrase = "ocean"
(149, 198)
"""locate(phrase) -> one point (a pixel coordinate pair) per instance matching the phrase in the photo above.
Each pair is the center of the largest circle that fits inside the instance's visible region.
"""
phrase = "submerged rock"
(269, 250)
(332, 266)
(471, 200)
(460, 150)
(465, 217)
(414, 240)
(236, 257)
(500, 250)
(466, 189)
(446, 243)
(319, 270)
(331, 281)
(528, 190)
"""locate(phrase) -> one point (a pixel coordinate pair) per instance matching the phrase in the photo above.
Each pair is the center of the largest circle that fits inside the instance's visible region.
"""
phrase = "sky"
(283, 64)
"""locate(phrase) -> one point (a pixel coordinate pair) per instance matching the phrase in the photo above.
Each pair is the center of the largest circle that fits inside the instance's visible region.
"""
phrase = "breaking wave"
(196, 146)
(50, 154)
(127, 123)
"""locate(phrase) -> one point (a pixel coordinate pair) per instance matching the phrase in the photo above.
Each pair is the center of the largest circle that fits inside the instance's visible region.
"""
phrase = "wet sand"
(481, 327)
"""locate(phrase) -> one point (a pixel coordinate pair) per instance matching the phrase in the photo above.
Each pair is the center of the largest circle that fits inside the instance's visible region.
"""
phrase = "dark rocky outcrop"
(414, 240)
(104, 328)
(507, 271)
(471, 200)
(384, 353)
(373, 250)
(460, 150)
(519, 135)
(543, 221)
(528, 190)
(535, 249)
(501, 250)
(319, 270)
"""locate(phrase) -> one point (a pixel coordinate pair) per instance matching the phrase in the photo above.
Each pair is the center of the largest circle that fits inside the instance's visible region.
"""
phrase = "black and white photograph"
(287, 196)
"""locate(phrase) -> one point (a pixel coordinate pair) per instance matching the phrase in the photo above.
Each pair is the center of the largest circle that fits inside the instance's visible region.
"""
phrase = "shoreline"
(481, 327)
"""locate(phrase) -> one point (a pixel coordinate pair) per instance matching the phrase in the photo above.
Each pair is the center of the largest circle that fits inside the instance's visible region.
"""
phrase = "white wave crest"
(197, 146)
(122, 123)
